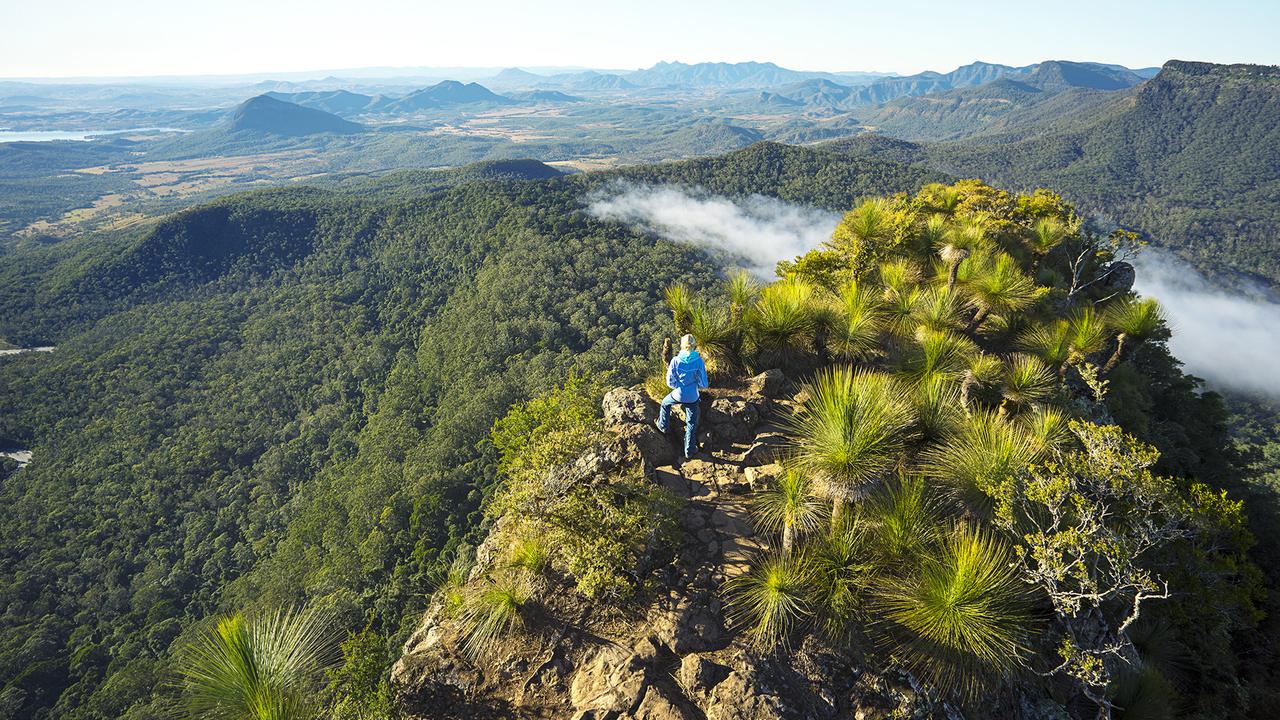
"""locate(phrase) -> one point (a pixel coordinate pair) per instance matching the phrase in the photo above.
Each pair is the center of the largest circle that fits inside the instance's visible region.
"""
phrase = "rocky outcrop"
(672, 652)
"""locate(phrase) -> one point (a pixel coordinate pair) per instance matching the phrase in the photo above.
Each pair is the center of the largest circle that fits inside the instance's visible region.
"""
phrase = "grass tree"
(938, 308)
(493, 609)
(719, 338)
(772, 598)
(981, 460)
(936, 352)
(258, 668)
(681, 303)
(996, 284)
(962, 617)
(935, 398)
(1088, 335)
(783, 319)
(843, 571)
(903, 520)
(789, 507)
(961, 241)
(1133, 321)
(850, 432)
(1026, 380)
(859, 323)
(1047, 234)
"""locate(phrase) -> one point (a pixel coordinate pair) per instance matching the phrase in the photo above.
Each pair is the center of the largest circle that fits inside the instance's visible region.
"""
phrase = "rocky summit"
(674, 652)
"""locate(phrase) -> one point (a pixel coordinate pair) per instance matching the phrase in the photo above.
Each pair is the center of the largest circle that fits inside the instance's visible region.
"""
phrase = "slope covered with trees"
(284, 397)
(1190, 158)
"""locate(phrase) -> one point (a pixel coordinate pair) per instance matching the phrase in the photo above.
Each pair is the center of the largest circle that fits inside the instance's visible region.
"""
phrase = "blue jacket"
(685, 375)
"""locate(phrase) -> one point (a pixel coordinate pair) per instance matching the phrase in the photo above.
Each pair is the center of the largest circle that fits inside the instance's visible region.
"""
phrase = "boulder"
(699, 675)
(637, 442)
(770, 384)
(611, 681)
(626, 405)
(659, 703)
(760, 476)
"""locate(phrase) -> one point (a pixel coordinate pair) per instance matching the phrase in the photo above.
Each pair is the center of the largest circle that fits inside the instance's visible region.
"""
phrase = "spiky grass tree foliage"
(936, 401)
(938, 308)
(1026, 380)
(741, 289)
(772, 598)
(996, 284)
(783, 320)
(962, 618)
(936, 352)
(898, 277)
(1051, 342)
(982, 459)
(1144, 693)
(1134, 321)
(261, 668)
(933, 232)
(843, 571)
(719, 339)
(860, 322)
(850, 432)
(789, 508)
(984, 371)
(529, 551)
(492, 610)
(1088, 335)
(1048, 426)
(1047, 234)
(903, 520)
(680, 300)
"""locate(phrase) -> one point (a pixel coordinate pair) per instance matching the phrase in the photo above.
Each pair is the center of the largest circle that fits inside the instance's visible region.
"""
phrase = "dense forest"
(1188, 157)
(284, 397)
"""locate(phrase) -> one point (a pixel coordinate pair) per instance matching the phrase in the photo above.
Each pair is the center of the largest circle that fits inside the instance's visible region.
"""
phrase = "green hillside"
(283, 397)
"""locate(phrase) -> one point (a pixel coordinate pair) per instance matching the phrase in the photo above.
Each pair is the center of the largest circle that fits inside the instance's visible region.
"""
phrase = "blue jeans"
(690, 422)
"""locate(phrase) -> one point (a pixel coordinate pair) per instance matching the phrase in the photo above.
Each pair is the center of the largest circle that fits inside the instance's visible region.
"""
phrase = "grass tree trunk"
(977, 320)
(952, 274)
(1115, 356)
(838, 508)
(788, 539)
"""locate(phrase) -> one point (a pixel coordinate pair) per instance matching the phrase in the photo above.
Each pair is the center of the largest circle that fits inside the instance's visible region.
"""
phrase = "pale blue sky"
(49, 38)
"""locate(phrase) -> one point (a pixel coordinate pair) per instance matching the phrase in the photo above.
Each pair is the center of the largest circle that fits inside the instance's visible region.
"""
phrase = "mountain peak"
(263, 113)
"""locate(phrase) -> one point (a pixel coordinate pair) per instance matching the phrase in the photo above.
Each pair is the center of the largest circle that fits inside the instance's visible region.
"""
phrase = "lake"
(7, 136)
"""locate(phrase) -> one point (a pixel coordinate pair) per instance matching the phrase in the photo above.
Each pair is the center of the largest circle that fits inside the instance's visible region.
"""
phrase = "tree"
(1134, 320)
(850, 432)
(1086, 525)
(261, 668)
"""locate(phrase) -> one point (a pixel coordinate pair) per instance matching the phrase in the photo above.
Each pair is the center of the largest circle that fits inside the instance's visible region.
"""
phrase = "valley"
(324, 341)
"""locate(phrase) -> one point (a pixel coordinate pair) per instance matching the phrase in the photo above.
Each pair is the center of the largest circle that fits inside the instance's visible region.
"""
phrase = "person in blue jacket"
(686, 374)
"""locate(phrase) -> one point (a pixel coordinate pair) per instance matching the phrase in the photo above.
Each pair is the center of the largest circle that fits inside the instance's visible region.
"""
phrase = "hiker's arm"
(703, 382)
(671, 374)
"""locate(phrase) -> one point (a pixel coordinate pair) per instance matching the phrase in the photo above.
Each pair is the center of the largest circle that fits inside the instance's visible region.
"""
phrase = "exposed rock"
(699, 675)
(770, 384)
(742, 698)
(637, 441)
(760, 476)
(627, 405)
(659, 703)
(608, 682)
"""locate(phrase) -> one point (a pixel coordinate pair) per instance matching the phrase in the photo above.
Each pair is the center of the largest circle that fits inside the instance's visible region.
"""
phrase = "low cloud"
(756, 232)
(1232, 339)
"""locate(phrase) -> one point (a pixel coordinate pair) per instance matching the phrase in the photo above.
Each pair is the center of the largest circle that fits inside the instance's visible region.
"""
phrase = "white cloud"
(758, 231)
(1230, 339)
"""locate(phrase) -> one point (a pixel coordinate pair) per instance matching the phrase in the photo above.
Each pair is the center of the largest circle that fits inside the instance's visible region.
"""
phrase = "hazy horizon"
(235, 38)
